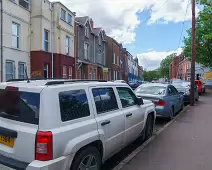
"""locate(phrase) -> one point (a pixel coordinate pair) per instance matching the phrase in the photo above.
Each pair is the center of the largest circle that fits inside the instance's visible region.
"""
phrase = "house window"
(70, 72)
(21, 70)
(15, 35)
(69, 19)
(94, 74)
(67, 45)
(64, 72)
(86, 50)
(99, 40)
(114, 58)
(46, 40)
(46, 71)
(10, 70)
(86, 31)
(90, 73)
(63, 14)
(24, 3)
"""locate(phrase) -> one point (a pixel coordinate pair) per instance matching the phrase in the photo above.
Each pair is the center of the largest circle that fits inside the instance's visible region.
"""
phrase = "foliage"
(151, 75)
(203, 36)
(165, 66)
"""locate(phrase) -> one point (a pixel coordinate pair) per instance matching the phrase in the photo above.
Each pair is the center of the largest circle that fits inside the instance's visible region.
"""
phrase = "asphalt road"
(116, 159)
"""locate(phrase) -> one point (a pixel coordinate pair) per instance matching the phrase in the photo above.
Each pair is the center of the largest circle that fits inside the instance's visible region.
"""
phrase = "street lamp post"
(193, 52)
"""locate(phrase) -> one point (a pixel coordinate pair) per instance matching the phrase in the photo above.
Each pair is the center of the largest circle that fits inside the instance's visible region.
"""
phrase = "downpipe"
(1, 40)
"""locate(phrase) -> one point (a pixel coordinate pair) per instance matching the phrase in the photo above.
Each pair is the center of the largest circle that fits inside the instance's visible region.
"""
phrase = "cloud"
(151, 60)
(120, 18)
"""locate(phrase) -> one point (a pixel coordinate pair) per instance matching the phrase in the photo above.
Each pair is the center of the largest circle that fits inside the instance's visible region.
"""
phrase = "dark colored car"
(185, 88)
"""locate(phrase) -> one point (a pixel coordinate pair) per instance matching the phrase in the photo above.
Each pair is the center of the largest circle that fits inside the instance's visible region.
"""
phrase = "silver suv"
(63, 125)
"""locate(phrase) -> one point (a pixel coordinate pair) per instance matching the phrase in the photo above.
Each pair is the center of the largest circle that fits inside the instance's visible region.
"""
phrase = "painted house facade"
(52, 40)
(15, 47)
(90, 47)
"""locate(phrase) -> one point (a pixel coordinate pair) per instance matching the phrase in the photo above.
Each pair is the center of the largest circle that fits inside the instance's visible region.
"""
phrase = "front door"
(109, 117)
(134, 114)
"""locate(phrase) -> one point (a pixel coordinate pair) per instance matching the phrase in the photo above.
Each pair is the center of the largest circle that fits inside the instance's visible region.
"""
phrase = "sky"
(149, 29)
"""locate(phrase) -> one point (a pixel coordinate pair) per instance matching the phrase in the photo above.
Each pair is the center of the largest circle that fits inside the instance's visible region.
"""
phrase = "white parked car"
(68, 125)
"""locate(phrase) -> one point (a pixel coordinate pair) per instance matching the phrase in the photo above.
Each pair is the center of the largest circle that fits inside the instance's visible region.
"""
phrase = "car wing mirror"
(139, 101)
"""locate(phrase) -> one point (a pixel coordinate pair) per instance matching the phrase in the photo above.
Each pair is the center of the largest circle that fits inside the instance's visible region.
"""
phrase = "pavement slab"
(184, 145)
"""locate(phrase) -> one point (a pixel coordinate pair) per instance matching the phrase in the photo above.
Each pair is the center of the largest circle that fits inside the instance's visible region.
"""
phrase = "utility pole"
(193, 52)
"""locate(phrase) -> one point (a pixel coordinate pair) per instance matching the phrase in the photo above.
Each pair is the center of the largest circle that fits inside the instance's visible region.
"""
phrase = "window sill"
(24, 8)
(14, 2)
(66, 22)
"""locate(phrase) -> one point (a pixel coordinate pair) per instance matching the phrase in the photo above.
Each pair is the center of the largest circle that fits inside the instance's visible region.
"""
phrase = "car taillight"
(160, 103)
(44, 147)
(11, 88)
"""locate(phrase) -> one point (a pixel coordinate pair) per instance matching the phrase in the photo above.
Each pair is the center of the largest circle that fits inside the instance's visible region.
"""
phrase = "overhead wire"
(189, 3)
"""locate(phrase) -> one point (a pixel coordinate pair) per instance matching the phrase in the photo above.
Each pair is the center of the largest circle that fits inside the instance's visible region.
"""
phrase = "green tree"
(151, 75)
(203, 36)
(165, 66)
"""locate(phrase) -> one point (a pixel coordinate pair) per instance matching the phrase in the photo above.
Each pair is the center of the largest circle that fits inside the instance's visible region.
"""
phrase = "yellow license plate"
(8, 141)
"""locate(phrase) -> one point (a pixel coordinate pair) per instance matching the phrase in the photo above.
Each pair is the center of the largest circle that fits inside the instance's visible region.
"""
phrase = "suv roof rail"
(71, 81)
(14, 80)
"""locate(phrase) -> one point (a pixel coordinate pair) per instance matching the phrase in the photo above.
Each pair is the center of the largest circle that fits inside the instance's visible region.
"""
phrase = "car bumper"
(11, 164)
(162, 111)
(186, 98)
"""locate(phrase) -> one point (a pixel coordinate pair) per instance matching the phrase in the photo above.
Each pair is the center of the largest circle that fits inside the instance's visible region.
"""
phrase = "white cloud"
(119, 17)
(151, 60)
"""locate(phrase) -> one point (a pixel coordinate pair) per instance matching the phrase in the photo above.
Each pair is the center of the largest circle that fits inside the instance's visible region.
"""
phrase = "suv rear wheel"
(87, 159)
(148, 130)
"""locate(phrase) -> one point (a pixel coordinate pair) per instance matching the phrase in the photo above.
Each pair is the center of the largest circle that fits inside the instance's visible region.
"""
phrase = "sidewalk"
(184, 145)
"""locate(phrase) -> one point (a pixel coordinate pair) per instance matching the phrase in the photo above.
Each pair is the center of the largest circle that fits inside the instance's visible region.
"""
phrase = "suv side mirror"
(139, 101)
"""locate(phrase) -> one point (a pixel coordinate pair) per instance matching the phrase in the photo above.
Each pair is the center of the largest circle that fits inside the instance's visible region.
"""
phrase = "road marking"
(140, 148)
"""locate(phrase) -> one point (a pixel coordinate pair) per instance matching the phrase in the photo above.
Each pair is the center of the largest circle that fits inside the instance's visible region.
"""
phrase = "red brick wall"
(39, 58)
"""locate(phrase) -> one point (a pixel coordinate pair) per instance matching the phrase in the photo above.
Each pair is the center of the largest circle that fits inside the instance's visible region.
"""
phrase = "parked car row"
(69, 124)
(169, 99)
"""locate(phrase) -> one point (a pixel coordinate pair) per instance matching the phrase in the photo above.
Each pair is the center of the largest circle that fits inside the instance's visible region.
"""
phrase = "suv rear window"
(20, 106)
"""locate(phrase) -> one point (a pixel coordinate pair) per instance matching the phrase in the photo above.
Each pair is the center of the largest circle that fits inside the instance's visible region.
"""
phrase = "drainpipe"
(52, 41)
(1, 41)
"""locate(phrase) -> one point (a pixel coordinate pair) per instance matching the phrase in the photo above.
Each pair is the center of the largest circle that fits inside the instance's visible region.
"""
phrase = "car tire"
(182, 107)
(171, 115)
(197, 99)
(148, 131)
(88, 157)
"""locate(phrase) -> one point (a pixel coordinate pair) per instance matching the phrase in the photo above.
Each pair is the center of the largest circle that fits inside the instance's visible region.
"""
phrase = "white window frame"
(26, 1)
(94, 74)
(46, 69)
(62, 10)
(70, 23)
(68, 40)
(64, 71)
(21, 76)
(99, 40)
(47, 41)
(16, 36)
(70, 72)
(91, 72)
(86, 57)
(114, 58)
(86, 31)
(13, 71)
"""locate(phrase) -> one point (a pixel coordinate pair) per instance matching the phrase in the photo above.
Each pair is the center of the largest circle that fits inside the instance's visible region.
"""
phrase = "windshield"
(20, 106)
(154, 90)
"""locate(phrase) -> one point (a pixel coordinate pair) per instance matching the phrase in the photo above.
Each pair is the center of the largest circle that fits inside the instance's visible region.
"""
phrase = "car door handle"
(129, 115)
(105, 122)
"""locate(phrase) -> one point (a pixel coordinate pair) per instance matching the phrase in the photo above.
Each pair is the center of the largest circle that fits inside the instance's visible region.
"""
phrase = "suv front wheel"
(87, 159)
